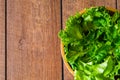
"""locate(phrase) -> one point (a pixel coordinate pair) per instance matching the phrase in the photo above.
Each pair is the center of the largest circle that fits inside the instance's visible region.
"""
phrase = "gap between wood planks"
(5, 39)
(61, 19)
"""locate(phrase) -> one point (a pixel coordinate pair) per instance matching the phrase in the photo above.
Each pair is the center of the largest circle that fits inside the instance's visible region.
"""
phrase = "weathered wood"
(33, 45)
(70, 7)
(2, 40)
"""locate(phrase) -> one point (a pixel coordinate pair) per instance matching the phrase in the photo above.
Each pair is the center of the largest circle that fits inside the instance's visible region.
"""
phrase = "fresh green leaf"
(92, 44)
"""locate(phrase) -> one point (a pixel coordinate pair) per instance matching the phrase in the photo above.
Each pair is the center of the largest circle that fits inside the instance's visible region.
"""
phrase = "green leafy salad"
(92, 44)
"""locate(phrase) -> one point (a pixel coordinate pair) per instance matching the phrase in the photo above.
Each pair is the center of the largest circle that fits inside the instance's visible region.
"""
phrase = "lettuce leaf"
(92, 44)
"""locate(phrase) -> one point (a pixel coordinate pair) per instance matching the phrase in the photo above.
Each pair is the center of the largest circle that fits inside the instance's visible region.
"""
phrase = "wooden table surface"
(29, 44)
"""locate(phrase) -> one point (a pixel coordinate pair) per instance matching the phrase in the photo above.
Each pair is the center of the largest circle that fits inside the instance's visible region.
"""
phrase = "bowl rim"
(62, 45)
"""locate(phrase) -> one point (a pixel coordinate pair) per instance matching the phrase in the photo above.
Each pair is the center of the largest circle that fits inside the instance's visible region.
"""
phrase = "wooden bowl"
(62, 45)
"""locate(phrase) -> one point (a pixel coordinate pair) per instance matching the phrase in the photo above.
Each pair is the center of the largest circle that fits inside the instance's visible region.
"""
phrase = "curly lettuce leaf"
(92, 44)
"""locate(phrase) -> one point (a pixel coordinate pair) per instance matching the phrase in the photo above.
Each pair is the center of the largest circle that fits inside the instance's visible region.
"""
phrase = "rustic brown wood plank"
(70, 7)
(118, 5)
(33, 45)
(2, 40)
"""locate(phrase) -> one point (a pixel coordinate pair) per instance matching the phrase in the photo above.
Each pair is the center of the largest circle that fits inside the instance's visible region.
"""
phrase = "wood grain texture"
(2, 40)
(33, 45)
(70, 7)
(118, 5)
